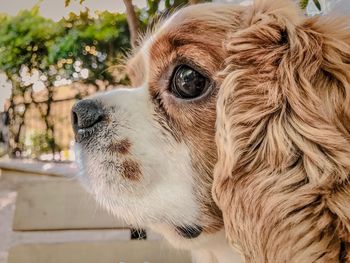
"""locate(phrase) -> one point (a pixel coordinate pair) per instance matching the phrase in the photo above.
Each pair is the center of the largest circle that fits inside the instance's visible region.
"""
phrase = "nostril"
(85, 114)
(74, 119)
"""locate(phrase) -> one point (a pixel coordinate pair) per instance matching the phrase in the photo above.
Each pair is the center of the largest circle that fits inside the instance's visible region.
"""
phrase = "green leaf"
(67, 2)
(167, 4)
(303, 4)
(153, 6)
(318, 5)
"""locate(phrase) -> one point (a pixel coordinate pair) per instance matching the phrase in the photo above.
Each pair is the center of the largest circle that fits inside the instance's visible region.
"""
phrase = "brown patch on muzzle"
(131, 170)
(120, 147)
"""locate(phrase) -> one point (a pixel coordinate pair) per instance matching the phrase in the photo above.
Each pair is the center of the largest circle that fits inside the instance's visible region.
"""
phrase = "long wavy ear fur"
(283, 136)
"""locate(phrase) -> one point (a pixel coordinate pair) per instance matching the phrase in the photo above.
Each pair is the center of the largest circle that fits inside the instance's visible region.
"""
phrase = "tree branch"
(193, 2)
(133, 21)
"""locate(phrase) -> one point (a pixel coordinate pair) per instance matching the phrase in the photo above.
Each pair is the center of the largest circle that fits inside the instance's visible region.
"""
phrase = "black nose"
(85, 114)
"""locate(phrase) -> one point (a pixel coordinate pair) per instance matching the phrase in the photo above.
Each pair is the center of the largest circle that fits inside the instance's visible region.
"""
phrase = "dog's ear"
(284, 109)
(250, 89)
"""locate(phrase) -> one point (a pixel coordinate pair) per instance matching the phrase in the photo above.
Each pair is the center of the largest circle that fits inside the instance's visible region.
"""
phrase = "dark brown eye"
(188, 83)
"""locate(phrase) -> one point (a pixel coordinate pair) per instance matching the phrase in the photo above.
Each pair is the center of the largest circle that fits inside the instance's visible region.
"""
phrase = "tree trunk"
(133, 22)
(193, 2)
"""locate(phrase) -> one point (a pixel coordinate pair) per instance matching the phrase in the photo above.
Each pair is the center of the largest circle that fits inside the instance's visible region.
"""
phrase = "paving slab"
(40, 188)
(59, 204)
(9, 184)
(32, 167)
(102, 252)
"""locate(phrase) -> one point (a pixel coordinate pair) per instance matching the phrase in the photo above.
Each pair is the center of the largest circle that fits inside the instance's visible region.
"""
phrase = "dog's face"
(147, 153)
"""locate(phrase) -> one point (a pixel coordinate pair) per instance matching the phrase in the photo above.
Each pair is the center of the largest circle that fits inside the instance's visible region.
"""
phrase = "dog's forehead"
(212, 16)
(204, 25)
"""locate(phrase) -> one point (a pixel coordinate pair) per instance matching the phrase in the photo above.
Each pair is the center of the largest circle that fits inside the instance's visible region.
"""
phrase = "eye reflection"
(188, 83)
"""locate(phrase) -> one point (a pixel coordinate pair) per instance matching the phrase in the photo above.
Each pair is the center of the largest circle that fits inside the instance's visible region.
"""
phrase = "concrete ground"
(9, 238)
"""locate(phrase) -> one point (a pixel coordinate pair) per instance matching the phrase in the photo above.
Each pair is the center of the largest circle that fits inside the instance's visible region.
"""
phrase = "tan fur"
(283, 137)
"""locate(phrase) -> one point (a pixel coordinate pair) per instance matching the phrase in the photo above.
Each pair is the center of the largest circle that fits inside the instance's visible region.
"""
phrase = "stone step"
(32, 167)
(102, 252)
(59, 204)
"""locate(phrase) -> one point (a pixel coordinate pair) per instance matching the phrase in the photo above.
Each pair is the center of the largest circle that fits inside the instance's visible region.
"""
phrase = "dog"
(209, 117)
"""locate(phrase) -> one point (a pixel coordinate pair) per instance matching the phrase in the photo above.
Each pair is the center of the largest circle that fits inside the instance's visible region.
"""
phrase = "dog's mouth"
(189, 232)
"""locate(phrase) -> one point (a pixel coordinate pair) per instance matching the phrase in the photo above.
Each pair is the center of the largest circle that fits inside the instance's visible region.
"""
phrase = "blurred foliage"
(23, 38)
(67, 2)
(40, 44)
(304, 3)
(97, 43)
(38, 54)
(42, 143)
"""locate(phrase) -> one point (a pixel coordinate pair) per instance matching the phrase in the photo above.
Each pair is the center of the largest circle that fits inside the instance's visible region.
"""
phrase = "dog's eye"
(188, 83)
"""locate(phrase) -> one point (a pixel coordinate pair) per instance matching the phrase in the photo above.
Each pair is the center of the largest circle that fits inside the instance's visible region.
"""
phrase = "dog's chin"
(135, 202)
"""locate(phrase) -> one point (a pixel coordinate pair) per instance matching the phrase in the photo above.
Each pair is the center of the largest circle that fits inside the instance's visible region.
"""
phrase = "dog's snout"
(85, 114)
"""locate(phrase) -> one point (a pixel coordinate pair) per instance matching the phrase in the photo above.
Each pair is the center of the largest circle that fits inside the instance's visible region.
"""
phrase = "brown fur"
(121, 147)
(131, 170)
(283, 137)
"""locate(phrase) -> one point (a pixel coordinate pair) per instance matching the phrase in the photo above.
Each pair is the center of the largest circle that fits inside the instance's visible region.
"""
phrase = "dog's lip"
(189, 232)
